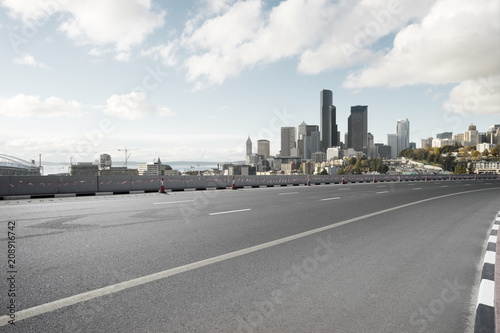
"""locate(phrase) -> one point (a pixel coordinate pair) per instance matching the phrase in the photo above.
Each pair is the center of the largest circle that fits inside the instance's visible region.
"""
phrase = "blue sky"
(191, 80)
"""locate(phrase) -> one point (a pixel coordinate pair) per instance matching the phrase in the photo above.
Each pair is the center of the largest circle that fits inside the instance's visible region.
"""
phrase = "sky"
(192, 79)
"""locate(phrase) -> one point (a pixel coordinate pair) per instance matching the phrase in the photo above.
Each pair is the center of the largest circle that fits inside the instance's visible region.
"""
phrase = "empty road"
(378, 257)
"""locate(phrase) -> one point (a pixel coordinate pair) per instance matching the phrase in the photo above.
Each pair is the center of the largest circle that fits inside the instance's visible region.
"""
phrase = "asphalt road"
(384, 257)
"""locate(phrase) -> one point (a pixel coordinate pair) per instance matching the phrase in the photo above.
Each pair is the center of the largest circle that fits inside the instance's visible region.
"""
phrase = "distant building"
(252, 159)
(384, 151)
(328, 132)
(357, 128)
(493, 135)
(318, 157)
(248, 170)
(333, 153)
(154, 169)
(287, 141)
(403, 135)
(249, 146)
(426, 143)
(84, 169)
(486, 167)
(444, 135)
(263, 148)
(480, 147)
(442, 142)
(308, 167)
(121, 171)
(104, 161)
(459, 138)
(312, 144)
(392, 141)
(471, 136)
(370, 152)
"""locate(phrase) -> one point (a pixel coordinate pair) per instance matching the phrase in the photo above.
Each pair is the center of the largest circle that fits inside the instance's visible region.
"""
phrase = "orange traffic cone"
(162, 187)
(234, 184)
(308, 180)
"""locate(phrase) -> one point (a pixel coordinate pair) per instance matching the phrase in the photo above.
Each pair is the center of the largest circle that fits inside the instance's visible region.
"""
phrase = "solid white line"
(231, 211)
(288, 193)
(486, 292)
(68, 301)
(171, 202)
(382, 192)
(489, 257)
(330, 199)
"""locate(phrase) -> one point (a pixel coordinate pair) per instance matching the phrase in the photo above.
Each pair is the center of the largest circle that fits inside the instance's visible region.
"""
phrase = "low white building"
(482, 167)
(480, 147)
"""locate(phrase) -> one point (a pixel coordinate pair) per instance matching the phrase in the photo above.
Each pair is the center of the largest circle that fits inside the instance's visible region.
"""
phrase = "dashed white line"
(286, 193)
(171, 202)
(410, 184)
(330, 199)
(231, 211)
(444, 186)
(417, 188)
(343, 189)
(382, 192)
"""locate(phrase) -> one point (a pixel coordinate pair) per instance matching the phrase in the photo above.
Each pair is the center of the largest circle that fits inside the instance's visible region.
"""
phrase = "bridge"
(13, 166)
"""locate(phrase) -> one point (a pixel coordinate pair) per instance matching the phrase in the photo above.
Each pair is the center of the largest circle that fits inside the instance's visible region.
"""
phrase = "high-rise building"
(311, 144)
(370, 149)
(472, 136)
(287, 140)
(329, 134)
(304, 130)
(403, 133)
(249, 146)
(357, 128)
(263, 148)
(426, 143)
(392, 141)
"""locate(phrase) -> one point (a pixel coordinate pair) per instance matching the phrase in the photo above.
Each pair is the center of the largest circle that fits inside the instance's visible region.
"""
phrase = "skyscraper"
(287, 140)
(357, 128)
(328, 134)
(249, 146)
(392, 141)
(263, 148)
(403, 133)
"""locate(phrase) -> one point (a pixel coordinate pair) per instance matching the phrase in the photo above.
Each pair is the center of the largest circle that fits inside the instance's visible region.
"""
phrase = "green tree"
(495, 151)
(471, 169)
(475, 155)
(461, 168)
(485, 153)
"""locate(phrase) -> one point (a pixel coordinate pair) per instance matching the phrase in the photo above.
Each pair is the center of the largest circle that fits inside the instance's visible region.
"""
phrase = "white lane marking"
(417, 188)
(288, 193)
(382, 192)
(382, 186)
(330, 199)
(489, 257)
(72, 300)
(231, 211)
(410, 184)
(343, 189)
(171, 202)
(486, 292)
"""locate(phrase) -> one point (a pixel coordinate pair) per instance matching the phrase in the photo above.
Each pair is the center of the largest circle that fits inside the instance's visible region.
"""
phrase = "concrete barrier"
(51, 185)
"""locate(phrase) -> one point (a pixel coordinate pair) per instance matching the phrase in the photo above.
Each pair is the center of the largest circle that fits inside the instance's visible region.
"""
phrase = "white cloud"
(29, 60)
(317, 32)
(133, 106)
(23, 106)
(456, 41)
(164, 52)
(480, 96)
(121, 24)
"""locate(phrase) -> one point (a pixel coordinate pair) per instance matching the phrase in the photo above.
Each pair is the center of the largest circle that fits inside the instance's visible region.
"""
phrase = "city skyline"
(192, 80)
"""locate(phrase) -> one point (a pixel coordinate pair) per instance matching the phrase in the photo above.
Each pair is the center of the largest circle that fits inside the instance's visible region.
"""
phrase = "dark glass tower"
(328, 133)
(357, 128)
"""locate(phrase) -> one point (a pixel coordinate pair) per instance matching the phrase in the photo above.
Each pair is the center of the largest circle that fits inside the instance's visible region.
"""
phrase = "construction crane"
(127, 155)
